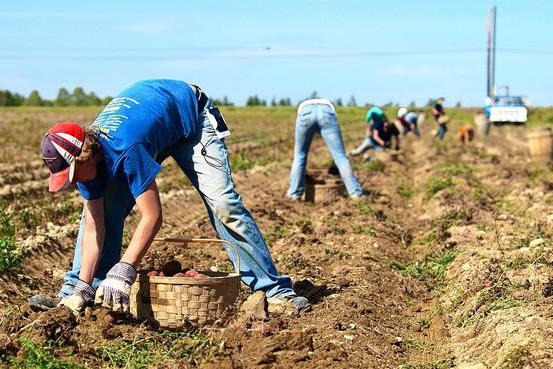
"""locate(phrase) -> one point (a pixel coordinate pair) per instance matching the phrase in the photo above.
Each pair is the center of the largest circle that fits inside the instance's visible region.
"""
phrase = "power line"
(257, 55)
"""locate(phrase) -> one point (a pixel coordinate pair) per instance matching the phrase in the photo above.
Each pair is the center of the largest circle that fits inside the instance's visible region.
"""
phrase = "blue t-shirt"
(135, 127)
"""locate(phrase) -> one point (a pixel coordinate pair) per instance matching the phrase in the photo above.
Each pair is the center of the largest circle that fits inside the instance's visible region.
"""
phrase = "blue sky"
(285, 48)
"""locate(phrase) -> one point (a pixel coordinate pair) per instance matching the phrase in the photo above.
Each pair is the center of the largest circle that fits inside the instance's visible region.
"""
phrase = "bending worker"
(114, 163)
(319, 116)
(380, 132)
(409, 121)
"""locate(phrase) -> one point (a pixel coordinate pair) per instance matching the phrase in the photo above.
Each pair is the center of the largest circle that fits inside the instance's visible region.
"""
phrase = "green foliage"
(404, 190)
(8, 98)
(519, 357)
(63, 97)
(438, 364)
(367, 230)
(150, 352)
(9, 255)
(436, 184)
(432, 268)
(33, 356)
(375, 165)
(255, 101)
(222, 102)
(240, 161)
(34, 99)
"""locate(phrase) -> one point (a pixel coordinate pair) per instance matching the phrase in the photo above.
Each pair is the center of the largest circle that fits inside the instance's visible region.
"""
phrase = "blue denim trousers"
(312, 119)
(442, 129)
(369, 143)
(210, 174)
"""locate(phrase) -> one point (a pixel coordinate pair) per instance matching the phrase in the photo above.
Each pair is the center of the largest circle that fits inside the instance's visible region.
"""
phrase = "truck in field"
(506, 109)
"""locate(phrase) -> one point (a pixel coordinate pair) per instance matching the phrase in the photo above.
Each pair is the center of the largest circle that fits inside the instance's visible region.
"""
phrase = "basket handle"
(186, 241)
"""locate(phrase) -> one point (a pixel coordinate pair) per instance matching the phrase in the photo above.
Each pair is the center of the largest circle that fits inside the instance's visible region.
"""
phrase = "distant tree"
(314, 95)
(34, 99)
(285, 102)
(458, 104)
(92, 100)
(226, 101)
(274, 101)
(338, 102)
(352, 101)
(412, 105)
(255, 101)
(63, 97)
(389, 104)
(430, 103)
(7, 98)
(78, 97)
(106, 100)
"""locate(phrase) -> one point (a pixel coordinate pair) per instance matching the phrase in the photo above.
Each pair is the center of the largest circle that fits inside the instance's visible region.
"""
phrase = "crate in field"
(175, 302)
(323, 187)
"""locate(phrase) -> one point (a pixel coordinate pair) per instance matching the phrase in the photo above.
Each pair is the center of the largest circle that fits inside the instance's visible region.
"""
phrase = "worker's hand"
(114, 291)
(83, 295)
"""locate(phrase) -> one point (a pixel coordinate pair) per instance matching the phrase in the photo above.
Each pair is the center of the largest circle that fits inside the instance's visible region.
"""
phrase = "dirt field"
(447, 264)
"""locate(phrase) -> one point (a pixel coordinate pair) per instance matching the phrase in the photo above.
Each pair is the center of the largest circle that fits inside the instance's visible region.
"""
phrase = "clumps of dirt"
(56, 324)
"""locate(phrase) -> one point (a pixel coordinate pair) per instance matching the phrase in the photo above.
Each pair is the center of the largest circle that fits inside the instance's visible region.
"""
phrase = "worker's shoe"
(43, 303)
(288, 304)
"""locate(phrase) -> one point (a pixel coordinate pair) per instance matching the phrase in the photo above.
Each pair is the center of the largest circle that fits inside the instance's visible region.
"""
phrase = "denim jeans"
(442, 129)
(210, 174)
(320, 118)
(368, 143)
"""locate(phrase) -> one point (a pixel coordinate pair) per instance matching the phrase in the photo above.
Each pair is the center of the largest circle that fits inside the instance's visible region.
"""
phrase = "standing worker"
(114, 163)
(319, 116)
(440, 117)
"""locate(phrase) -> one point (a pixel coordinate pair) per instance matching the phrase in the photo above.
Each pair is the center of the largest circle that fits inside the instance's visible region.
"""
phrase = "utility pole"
(491, 52)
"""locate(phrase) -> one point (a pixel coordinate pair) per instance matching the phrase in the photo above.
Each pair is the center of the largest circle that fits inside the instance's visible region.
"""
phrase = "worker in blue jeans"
(114, 163)
(319, 116)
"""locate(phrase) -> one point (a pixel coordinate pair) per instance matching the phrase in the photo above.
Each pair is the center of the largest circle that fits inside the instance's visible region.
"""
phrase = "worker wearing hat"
(409, 121)
(114, 163)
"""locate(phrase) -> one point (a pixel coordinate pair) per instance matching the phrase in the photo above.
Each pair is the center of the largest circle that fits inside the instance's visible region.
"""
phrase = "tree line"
(79, 97)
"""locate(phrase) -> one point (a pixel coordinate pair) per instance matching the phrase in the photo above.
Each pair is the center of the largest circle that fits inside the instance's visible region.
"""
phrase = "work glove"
(83, 295)
(113, 292)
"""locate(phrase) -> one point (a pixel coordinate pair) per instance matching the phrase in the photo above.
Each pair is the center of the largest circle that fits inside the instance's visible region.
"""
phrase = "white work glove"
(113, 292)
(83, 294)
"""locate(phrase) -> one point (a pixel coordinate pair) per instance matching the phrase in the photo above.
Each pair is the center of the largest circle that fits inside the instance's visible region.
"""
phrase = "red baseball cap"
(61, 145)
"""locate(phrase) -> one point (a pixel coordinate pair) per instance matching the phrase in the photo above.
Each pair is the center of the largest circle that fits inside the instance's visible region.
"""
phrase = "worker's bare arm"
(93, 238)
(149, 206)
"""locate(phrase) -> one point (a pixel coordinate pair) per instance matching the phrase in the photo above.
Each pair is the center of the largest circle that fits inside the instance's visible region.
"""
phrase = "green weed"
(147, 352)
(404, 191)
(436, 184)
(9, 255)
(375, 166)
(32, 356)
(367, 230)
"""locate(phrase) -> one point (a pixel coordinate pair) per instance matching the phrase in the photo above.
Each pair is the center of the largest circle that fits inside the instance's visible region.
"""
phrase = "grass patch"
(33, 356)
(148, 352)
(436, 184)
(404, 191)
(519, 357)
(367, 230)
(434, 267)
(375, 166)
(438, 364)
(9, 255)
(240, 161)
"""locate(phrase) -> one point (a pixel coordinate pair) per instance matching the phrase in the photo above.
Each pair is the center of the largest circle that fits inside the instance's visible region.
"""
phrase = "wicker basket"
(321, 189)
(173, 302)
